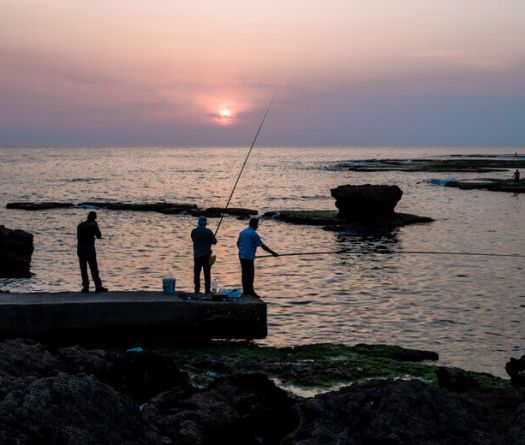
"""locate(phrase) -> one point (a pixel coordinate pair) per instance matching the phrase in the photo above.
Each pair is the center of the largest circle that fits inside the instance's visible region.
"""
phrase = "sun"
(224, 115)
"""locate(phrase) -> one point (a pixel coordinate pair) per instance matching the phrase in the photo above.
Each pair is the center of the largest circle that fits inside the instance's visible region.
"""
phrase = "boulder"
(21, 358)
(242, 409)
(16, 248)
(66, 409)
(407, 412)
(357, 202)
(516, 370)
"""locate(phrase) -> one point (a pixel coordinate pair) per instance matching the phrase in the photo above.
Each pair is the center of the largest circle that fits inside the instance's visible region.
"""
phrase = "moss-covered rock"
(312, 366)
(491, 184)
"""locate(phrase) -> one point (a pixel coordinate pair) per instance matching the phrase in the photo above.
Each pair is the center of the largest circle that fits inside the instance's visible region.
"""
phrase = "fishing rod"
(404, 252)
(245, 161)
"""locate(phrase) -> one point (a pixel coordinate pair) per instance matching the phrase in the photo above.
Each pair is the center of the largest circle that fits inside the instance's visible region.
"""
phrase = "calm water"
(469, 309)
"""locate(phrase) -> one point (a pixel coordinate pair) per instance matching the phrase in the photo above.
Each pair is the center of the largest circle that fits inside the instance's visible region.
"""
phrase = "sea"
(469, 309)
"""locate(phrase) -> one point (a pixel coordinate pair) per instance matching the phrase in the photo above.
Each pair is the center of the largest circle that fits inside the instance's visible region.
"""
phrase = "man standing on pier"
(202, 238)
(87, 231)
(247, 243)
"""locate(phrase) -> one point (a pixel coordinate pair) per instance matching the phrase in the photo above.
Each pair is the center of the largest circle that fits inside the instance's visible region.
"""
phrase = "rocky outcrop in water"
(46, 205)
(357, 202)
(16, 249)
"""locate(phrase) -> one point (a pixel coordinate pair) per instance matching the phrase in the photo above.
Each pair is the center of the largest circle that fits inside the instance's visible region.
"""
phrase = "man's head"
(254, 223)
(92, 216)
(202, 220)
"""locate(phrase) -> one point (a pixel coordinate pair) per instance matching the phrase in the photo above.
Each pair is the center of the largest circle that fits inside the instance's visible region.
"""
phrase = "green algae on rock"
(313, 366)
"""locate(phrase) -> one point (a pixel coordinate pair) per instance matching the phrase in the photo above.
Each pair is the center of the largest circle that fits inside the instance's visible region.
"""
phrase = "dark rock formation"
(357, 202)
(516, 370)
(461, 163)
(242, 409)
(162, 207)
(407, 412)
(38, 205)
(16, 248)
(66, 409)
(216, 212)
(455, 380)
(142, 375)
(21, 357)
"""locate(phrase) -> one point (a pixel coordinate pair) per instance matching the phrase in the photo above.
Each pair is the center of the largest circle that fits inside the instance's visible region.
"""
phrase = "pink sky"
(158, 72)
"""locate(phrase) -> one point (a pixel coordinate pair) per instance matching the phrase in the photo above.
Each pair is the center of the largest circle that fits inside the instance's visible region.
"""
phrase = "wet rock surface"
(38, 205)
(489, 184)
(73, 395)
(16, 249)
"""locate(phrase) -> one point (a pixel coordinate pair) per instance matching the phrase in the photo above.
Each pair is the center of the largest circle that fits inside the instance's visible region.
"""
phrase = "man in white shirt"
(247, 243)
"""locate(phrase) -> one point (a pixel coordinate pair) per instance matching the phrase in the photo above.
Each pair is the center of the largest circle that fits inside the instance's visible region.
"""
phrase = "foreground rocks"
(16, 249)
(78, 396)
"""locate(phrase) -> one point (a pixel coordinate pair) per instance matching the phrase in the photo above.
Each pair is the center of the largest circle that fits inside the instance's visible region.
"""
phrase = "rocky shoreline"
(464, 164)
(236, 393)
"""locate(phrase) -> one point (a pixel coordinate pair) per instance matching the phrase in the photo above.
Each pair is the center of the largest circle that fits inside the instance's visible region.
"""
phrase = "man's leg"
(247, 267)
(207, 274)
(197, 265)
(93, 266)
(83, 272)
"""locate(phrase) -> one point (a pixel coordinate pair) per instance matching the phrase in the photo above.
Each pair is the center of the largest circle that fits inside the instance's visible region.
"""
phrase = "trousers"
(202, 262)
(248, 275)
(85, 259)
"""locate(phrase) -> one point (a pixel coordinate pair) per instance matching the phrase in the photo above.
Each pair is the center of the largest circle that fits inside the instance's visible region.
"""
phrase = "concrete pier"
(69, 317)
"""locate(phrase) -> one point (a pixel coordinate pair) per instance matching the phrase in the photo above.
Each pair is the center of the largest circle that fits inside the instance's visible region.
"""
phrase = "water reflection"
(470, 310)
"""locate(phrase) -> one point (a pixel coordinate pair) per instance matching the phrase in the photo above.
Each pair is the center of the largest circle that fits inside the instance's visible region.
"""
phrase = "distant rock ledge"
(168, 208)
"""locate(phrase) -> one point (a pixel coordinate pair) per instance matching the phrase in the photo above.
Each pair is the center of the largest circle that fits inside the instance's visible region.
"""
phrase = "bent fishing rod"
(245, 161)
(403, 252)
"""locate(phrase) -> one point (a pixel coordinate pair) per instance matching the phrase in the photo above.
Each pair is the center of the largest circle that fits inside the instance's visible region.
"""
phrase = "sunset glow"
(402, 73)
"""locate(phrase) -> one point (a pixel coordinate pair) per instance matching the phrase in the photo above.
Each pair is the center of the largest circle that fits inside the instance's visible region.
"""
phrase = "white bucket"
(168, 285)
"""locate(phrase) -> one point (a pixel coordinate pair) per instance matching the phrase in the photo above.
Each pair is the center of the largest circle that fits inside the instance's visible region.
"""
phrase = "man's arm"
(265, 247)
(97, 230)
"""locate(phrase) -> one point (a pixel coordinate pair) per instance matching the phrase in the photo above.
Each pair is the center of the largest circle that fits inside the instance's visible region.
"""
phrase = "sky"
(201, 73)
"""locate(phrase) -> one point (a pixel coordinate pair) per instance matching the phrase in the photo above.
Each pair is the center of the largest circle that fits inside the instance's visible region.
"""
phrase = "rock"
(242, 409)
(516, 370)
(38, 205)
(357, 202)
(66, 409)
(455, 380)
(399, 413)
(16, 249)
(77, 360)
(19, 358)
(216, 212)
(142, 375)
(162, 207)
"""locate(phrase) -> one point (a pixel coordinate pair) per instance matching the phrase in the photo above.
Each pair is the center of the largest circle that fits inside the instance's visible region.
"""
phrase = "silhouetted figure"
(87, 231)
(516, 177)
(203, 238)
(247, 243)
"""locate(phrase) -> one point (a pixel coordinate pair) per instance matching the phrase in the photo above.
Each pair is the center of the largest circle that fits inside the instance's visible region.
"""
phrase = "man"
(247, 243)
(517, 178)
(203, 238)
(86, 233)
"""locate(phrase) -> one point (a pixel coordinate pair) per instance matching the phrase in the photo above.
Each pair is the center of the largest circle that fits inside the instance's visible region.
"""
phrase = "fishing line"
(245, 161)
(404, 252)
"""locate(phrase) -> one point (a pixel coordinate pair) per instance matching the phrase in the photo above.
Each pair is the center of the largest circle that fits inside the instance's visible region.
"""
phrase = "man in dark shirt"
(516, 177)
(202, 238)
(86, 233)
